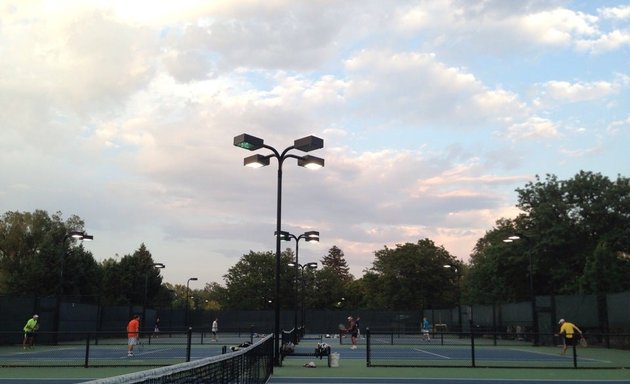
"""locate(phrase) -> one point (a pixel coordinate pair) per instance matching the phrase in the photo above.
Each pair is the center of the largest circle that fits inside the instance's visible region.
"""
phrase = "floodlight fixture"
(248, 142)
(308, 143)
(310, 162)
(256, 161)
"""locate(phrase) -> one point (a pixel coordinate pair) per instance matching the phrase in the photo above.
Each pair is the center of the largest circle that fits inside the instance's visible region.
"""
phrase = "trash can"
(334, 359)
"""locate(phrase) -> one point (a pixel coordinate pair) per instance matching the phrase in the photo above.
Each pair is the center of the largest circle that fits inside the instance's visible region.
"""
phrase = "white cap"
(35, 316)
(561, 321)
(349, 317)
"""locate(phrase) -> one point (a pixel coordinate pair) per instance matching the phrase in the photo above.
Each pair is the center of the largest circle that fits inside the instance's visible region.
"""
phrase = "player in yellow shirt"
(32, 325)
(567, 331)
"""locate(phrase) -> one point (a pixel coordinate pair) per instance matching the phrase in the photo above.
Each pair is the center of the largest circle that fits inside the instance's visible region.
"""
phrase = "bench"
(326, 352)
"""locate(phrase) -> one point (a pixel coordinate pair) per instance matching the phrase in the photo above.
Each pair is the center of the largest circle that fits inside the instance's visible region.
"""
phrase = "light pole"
(459, 303)
(309, 237)
(146, 292)
(76, 235)
(312, 265)
(305, 144)
(532, 296)
(188, 300)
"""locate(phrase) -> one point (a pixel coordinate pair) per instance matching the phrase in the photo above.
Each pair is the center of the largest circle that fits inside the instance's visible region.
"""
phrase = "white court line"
(431, 353)
(140, 354)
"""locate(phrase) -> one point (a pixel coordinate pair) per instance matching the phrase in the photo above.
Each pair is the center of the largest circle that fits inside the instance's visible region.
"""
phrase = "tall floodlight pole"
(532, 296)
(459, 301)
(188, 300)
(146, 292)
(312, 265)
(305, 144)
(75, 235)
(309, 237)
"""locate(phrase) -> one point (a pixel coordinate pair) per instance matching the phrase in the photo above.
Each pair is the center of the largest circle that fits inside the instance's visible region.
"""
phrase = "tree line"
(572, 236)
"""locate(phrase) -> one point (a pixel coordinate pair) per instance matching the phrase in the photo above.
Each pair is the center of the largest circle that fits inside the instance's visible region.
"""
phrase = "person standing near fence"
(133, 333)
(426, 329)
(32, 325)
(156, 327)
(567, 332)
(215, 329)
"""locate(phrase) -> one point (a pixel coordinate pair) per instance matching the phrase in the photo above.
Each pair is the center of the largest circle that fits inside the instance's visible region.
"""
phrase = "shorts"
(132, 341)
(569, 341)
(29, 334)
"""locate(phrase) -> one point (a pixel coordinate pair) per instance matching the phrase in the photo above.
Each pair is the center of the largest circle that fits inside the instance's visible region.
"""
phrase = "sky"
(433, 113)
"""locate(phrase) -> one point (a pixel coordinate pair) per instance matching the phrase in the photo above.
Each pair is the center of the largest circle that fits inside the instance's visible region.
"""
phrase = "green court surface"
(293, 368)
(352, 369)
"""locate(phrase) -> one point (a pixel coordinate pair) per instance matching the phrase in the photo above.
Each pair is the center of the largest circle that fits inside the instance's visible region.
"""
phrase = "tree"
(250, 283)
(411, 276)
(337, 263)
(566, 221)
(32, 246)
(131, 280)
(498, 271)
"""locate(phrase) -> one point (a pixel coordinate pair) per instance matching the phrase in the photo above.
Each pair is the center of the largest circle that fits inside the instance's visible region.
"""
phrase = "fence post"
(472, 342)
(367, 347)
(87, 351)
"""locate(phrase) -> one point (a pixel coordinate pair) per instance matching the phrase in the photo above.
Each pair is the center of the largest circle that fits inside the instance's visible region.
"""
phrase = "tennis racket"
(583, 342)
(342, 327)
(140, 346)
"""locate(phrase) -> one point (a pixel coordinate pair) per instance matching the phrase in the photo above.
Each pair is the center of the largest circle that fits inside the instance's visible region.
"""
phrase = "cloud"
(533, 128)
(567, 92)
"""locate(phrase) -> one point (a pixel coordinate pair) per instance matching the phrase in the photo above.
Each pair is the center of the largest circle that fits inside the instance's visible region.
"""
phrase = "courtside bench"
(325, 352)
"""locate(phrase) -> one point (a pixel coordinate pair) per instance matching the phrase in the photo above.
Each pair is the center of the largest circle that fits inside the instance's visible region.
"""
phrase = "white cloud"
(566, 92)
(533, 128)
(622, 12)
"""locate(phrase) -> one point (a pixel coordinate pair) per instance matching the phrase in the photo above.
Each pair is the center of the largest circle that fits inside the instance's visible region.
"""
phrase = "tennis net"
(253, 364)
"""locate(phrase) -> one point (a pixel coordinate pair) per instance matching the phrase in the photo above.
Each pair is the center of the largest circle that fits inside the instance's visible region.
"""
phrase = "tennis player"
(133, 332)
(567, 330)
(215, 329)
(32, 325)
(353, 330)
(426, 329)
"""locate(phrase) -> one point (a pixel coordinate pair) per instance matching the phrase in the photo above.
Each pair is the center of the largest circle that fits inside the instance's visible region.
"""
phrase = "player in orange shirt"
(133, 332)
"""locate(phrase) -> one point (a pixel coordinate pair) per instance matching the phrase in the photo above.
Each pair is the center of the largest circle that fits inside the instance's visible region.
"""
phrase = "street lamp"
(459, 304)
(146, 291)
(309, 237)
(532, 296)
(312, 265)
(305, 144)
(75, 235)
(188, 300)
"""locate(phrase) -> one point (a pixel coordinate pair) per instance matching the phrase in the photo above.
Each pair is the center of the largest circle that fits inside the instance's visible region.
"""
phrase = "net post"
(87, 351)
(188, 343)
(574, 351)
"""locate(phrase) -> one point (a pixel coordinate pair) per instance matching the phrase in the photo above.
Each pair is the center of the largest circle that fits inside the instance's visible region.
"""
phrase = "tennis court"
(111, 350)
(460, 350)
(352, 369)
